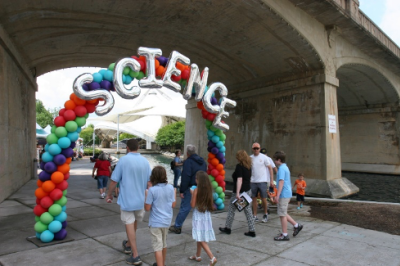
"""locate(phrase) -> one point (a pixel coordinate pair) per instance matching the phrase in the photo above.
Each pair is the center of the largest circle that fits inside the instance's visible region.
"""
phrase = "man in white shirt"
(261, 175)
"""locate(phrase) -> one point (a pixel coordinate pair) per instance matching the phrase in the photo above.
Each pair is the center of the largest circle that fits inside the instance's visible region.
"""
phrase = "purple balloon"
(60, 235)
(85, 87)
(44, 176)
(214, 101)
(59, 159)
(68, 152)
(50, 167)
(73, 144)
(223, 161)
(214, 150)
(64, 224)
(42, 165)
(105, 84)
(94, 86)
(209, 149)
(163, 60)
(219, 155)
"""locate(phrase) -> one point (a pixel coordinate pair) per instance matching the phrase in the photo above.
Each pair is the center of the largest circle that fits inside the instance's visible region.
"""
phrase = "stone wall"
(17, 123)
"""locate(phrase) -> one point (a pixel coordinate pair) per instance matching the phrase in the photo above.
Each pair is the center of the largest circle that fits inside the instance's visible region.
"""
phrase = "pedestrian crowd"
(145, 189)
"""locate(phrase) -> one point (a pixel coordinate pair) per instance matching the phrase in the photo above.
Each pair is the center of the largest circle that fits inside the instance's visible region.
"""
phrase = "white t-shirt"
(259, 168)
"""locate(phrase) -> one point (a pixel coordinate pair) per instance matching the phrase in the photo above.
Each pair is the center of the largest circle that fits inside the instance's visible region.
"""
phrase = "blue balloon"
(64, 208)
(108, 75)
(79, 130)
(128, 79)
(224, 154)
(215, 196)
(47, 157)
(97, 77)
(215, 139)
(46, 236)
(221, 206)
(210, 133)
(64, 142)
(222, 149)
(73, 136)
(124, 79)
(38, 235)
(54, 149)
(46, 147)
(219, 144)
(102, 72)
(55, 226)
(218, 201)
(62, 217)
(193, 187)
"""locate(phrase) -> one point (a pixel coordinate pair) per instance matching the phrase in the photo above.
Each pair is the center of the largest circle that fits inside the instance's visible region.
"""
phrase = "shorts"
(283, 206)
(129, 217)
(102, 181)
(158, 238)
(299, 197)
(259, 187)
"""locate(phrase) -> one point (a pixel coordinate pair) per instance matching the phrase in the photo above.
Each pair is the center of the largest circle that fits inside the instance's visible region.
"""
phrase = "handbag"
(95, 177)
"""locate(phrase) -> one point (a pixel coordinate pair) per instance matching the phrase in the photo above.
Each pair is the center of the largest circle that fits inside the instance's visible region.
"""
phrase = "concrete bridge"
(289, 64)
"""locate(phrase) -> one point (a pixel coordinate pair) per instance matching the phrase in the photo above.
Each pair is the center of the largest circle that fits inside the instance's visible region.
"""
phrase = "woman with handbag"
(103, 168)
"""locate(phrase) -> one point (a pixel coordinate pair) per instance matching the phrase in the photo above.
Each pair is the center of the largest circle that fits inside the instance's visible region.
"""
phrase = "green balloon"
(211, 178)
(140, 76)
(208, 123)
(86, 115)
(111, 66)
(133, 74)
(219, 133)
(51, 139)
(37, 218)
(61, 201)
(53, 129)
(40, 227)
(223, 141)
(81, 121)
(46, 218)
(55, 209)
(214, 184)
(126, 70)
(222, 137)
(183, 83)
(218, 189)
(65, 193)
(221, 195)
(212, 128)
(61, 132)
(71, 126)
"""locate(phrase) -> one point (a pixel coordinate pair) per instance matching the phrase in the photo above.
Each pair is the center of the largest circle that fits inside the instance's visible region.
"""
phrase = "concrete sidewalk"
(98, 232)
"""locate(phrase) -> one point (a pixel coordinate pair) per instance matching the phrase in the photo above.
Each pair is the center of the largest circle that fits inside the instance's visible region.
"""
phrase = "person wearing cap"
(261, 175)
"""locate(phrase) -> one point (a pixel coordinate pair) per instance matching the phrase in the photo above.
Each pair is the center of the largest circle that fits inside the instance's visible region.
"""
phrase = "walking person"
(133, 174)
(202, 230)
(160, 199)
(177, 167)
(300, 185)
(241, 183)
(261, 175)
(102, 167)
(191, 166)
(283, 197)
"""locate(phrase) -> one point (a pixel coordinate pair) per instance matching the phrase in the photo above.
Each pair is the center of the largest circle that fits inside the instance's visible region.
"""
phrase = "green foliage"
(172, 134)
(43, 117)
(125, 136)
(87, 135)
(89, 151)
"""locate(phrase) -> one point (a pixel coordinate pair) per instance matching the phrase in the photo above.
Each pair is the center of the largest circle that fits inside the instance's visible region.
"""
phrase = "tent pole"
(118, 134)
(94, 139)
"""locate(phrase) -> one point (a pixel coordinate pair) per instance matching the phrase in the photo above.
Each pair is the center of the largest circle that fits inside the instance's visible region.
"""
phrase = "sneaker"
(265, 218)
(102, 196)
(256, 219)
(175, 230)
(301, 205)
(225, 230)
(127, 250)
(251, 234)
(134, 261)
(297, 229)
(281, 237)
(298, 208)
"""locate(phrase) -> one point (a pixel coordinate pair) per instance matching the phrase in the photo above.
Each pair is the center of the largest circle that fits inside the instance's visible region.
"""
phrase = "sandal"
(198, 259)
(213, 261)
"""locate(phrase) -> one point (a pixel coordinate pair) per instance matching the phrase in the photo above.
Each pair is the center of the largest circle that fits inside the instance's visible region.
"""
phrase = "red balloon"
(39, 210)
(210, 166)
(59, 121)
(46, 202)
(63, 185)
(69, 115)
(90, 108)
(142, 65)
(208, 172)
(185, 74)
(56, 194)
(223, 184)
(214, 172)
(211, 117)
(204, 113)
(209, 160)
(61, 112)
(37, 201)
(66, 176)
(176, 78)
(80, 110)
(219, 179)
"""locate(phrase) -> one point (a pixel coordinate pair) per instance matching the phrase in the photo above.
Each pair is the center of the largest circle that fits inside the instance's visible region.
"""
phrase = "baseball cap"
(263, 151)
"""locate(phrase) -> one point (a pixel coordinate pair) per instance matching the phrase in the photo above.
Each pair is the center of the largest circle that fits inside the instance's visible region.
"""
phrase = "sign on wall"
(332, 123)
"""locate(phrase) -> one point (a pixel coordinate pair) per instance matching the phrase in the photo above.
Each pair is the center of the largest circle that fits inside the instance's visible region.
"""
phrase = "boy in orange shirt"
(301, 190)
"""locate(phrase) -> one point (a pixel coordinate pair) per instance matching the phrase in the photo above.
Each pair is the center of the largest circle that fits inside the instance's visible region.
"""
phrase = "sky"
(55, 87)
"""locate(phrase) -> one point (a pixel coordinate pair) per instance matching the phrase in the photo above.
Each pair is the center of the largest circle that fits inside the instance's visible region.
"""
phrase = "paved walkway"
(97, 231)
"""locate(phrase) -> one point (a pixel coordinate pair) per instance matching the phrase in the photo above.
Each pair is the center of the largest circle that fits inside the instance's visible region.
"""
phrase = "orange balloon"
(72, 96)
(211, 155)
(222, 172)
(39, 183)
(220, 167)
(160, 71)
(78, 101)
(63, 168)
(57, 177)
(48, 185)
(94, 101)
(40, 193)
(200, 105)
(180, 66)
(143, 58)
(156, 63)
(69, 160)
(209, 160)
(69, 105)
(214, 161)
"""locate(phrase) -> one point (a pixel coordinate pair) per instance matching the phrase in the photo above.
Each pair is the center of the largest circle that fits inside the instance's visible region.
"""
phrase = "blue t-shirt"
(160, 197)
(132, 172)
(178, 160)
(284, 174)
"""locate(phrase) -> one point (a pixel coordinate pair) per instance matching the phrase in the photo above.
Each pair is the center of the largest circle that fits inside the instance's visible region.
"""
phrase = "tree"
(171, 135)
(45, 116)
(123, 136)
(87, 135)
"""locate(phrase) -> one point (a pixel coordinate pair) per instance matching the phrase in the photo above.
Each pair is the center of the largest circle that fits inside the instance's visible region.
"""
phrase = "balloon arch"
(175, 73)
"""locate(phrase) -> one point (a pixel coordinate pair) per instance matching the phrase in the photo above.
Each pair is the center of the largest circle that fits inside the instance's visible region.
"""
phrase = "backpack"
(173, 165)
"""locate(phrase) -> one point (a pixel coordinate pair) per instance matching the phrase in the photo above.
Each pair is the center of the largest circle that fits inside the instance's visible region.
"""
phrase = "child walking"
(300, 191)
(160, 199)
(202, 231)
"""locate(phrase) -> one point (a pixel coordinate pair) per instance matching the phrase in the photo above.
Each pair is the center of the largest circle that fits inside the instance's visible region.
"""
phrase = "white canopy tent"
(40, 132)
